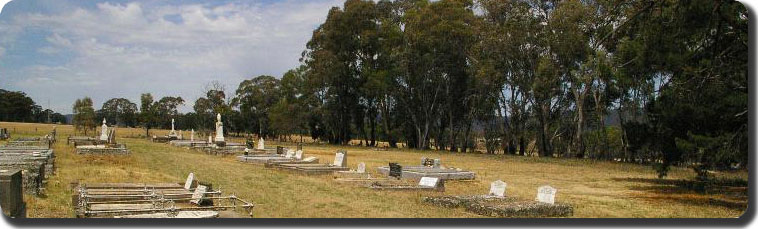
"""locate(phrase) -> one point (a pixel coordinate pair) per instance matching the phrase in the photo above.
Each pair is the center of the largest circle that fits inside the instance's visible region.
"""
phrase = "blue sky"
(61, 50)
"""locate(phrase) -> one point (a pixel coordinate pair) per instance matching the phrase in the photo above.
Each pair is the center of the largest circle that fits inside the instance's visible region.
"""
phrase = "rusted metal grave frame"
(162, 203)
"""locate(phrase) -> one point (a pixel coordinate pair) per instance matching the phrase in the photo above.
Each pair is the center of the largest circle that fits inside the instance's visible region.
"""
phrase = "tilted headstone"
(429, 181)
(299, 154)
(261, 144)
(190, 180)
(199, 193)
(396, 170)
(310, 159)
(361, 168)
(546, 194)
(497, 188)
(340, 159)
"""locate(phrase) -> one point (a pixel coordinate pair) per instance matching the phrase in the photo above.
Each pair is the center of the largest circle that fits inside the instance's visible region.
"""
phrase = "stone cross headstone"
(429, 181)
(497, 188)
(396, 170)
(199, 193)
(104, 131)
(299, 154)
(361, 168)
(219, 129)
(190, 180)
(546, 194)
(261, 145)
(339, 159)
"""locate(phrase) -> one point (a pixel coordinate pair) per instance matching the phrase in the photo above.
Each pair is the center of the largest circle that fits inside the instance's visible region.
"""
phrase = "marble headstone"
(429, 181)
(219, 129)
(546, 194)
(339, 159)
(198, 194)
(190, 180)
(497, 188)
(299, 154)
(361, 167)
(261, 144)
(104, 132)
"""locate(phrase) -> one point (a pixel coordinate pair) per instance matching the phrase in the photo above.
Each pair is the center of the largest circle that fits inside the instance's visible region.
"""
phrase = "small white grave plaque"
(190, 180)
(546, 194)
(428, 181)
(198, 194)
(339, 159)
(299, 154)
(361, 167)
(497, 188)
(310, 159)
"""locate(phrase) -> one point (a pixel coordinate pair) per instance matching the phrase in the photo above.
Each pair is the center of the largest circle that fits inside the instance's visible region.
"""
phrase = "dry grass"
(595, 189)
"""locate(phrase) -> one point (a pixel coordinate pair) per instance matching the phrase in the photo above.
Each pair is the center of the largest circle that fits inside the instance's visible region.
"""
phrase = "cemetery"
(215, 145)
(140, 186)
(193, 199)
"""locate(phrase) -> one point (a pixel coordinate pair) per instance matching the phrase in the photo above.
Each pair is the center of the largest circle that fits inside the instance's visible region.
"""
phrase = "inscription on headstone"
(546, 194)
(497, 188)
(429, 181)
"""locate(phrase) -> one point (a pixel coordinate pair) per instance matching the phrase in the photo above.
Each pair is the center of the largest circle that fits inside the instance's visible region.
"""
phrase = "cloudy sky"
(61, 50)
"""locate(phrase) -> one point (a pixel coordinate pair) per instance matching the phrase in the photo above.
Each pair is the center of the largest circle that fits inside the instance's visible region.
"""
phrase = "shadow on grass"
(728, 193)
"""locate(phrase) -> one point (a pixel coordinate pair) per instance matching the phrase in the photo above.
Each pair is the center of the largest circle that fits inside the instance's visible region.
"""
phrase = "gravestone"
(546, 194)
(181, 135)
(310, 159)
(290, 154)
(396, 170)
(497, 188)
(219, 129)
(429, 181)
(199, 193)
(192, 135)
(104, 131)
(299, 154)
(190, 180)
(261, 144)
(210, 139)
(340, 159)
(361, 168)
(11, 193)
(173, 131)
(436, 163)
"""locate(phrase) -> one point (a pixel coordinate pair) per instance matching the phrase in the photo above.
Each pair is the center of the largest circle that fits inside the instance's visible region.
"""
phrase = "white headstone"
(361, 167)
(546, 194)
(192, 135)
(190, 180)
(210, 139)
(299, 154)
(339, 159)
(290, 154)
(497, 188)
(104, 131)
(310, 159)
(198, 194)
(219, 129)
(429, 181)
(173, 131)
(261, 144)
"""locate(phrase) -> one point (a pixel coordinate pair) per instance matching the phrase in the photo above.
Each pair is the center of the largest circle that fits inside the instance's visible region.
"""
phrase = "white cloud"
(121, 50)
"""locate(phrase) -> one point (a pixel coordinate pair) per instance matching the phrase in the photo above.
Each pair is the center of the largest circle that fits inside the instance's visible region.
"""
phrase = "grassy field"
(595, 189)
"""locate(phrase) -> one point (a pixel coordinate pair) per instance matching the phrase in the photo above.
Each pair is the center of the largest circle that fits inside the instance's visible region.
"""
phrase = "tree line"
(16, 106)
(520, 77)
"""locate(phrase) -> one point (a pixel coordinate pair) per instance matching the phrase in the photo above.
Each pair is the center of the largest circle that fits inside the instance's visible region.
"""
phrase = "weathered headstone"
(436, 163)
(299, 154)
(361, 168)
(429, 181)
(199, 193)
(497, 188)
(190, 180)
(219, 129)
(290, 154)
(210, 139)
(546, 194)
(396, 170)
(261, 144)
(339, 159)
(104, 131)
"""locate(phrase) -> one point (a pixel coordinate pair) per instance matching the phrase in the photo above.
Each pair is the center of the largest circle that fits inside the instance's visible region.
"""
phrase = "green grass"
(595, 189)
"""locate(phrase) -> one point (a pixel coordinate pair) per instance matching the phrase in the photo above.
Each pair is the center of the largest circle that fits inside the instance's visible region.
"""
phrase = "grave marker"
(546, 194)
(497, 188)
(261, 145)
(339, 159)
(199, 193)
(396, 170)
(299, 154)
(310, 159)
(429, 181)
(190, 180)
(290, 154)
(361, 168)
